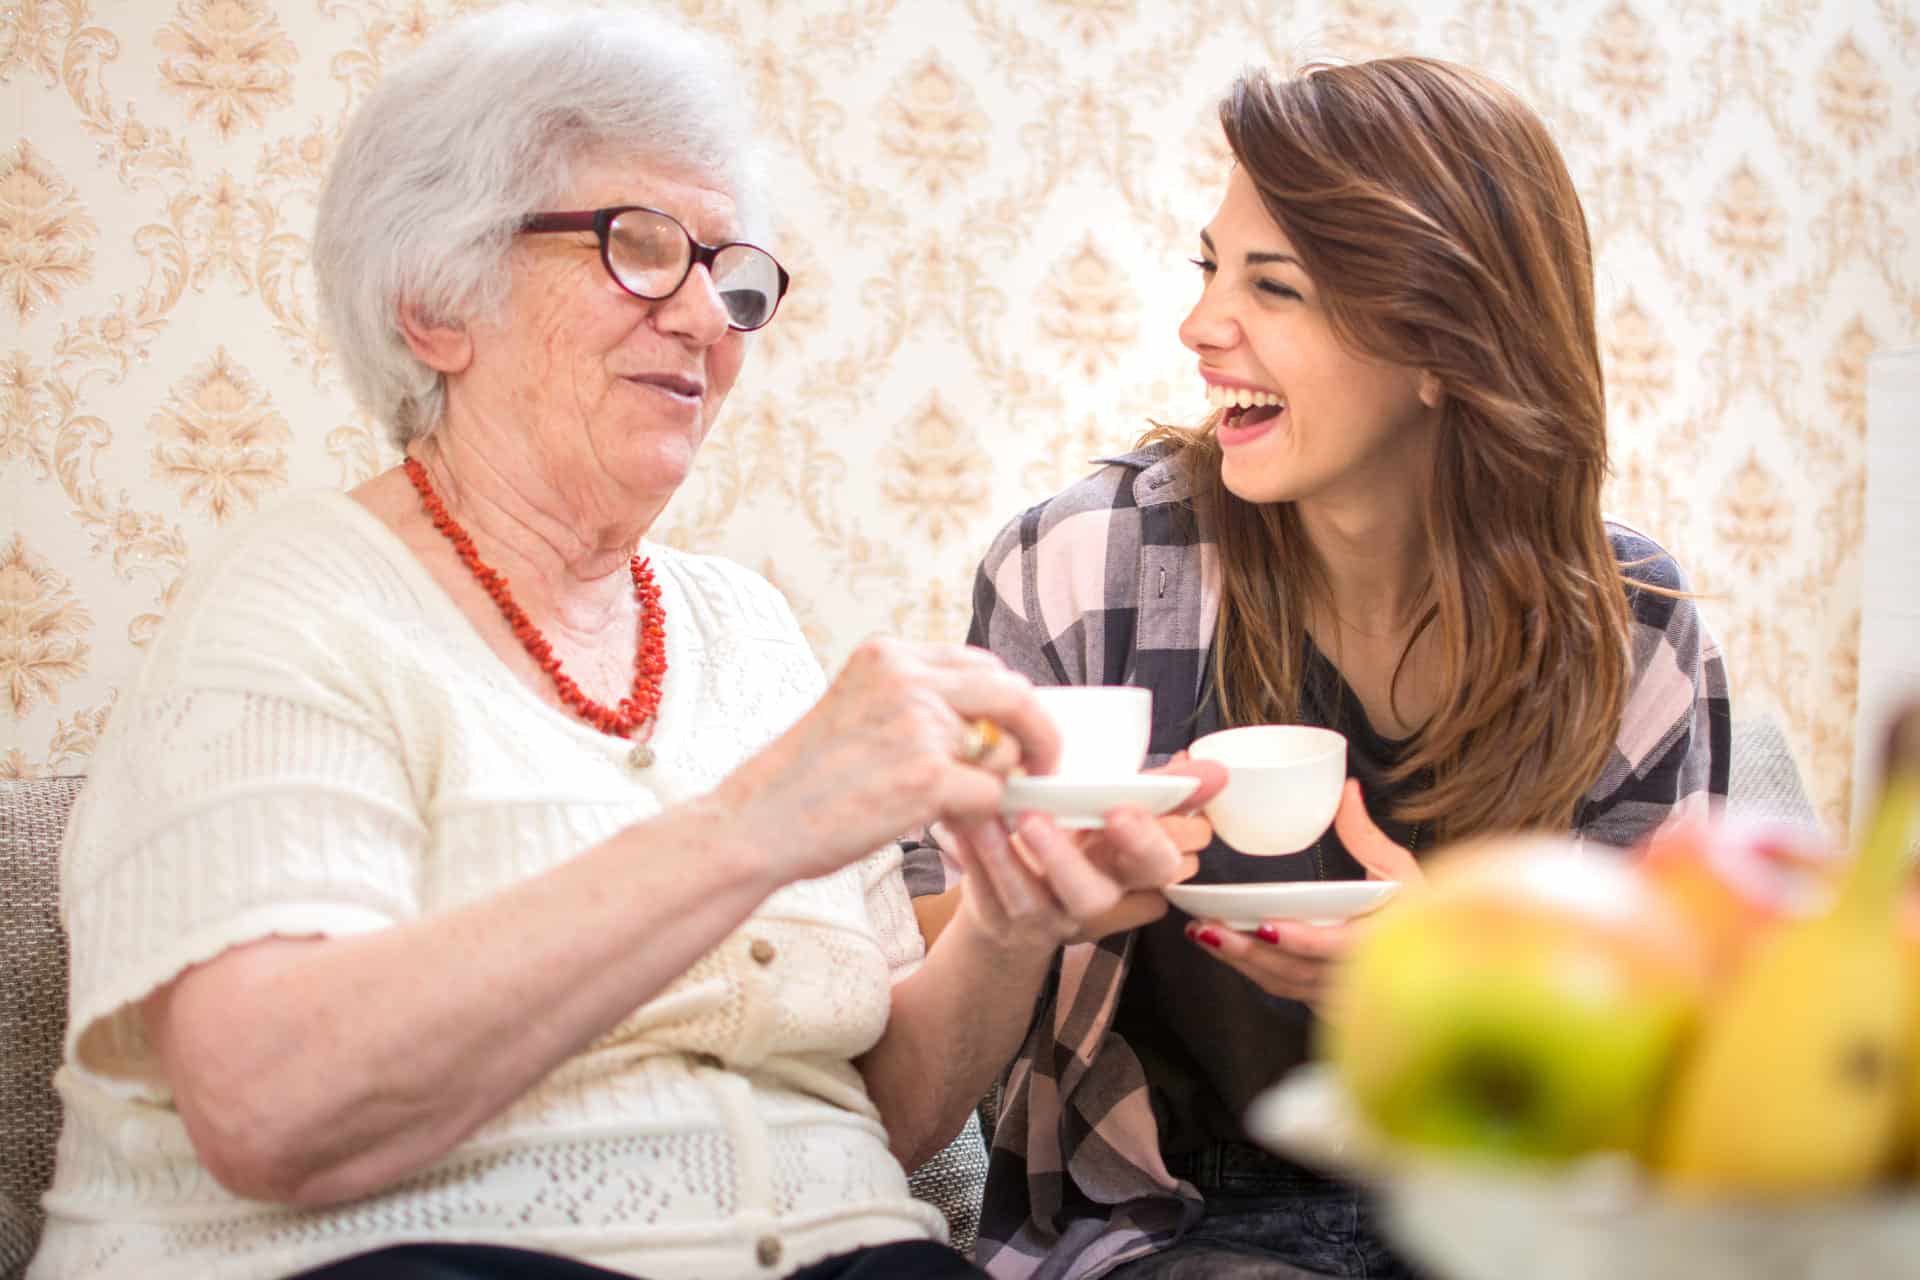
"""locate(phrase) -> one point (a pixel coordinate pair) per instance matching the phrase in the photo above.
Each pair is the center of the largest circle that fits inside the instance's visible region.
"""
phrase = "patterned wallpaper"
(987, 205)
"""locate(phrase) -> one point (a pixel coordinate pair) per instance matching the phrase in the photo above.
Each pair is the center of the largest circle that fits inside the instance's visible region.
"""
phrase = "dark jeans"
(906, 1259)
(1270, 1219)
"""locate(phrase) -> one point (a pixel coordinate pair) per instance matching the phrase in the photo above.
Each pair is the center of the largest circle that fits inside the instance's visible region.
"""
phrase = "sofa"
(1765, 782)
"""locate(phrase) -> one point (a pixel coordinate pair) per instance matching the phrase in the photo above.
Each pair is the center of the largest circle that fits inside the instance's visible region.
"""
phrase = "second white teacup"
(1283, 785)
(1104, 729)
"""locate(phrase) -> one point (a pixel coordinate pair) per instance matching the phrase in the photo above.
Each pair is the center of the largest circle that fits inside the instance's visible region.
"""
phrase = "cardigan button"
(767, 1251)
(762, 951)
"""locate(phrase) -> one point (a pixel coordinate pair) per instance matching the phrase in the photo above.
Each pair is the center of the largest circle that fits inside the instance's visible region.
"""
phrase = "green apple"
(1528, 1004)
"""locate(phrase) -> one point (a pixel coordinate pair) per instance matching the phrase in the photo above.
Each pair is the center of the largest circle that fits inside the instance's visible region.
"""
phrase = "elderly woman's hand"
(1040, 885)
(881, 753)
(1293, 959)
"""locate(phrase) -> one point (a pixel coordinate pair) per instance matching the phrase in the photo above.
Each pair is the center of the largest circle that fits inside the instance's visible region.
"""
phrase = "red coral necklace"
(649, 664)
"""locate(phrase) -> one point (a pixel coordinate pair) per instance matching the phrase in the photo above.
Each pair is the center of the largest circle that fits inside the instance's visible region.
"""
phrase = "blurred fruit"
(1913, 1032)
(1736, 880)
(1910, 947)
(1527, 1004)
(1797, 1083)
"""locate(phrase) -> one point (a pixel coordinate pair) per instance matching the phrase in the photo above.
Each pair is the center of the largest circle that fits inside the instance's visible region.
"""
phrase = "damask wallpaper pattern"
(988, 206)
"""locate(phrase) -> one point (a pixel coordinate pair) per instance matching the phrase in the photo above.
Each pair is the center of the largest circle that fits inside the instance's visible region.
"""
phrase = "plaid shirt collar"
(1157, 479)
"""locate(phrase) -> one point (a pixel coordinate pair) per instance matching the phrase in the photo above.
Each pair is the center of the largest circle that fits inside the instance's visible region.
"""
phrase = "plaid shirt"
(1108, 583)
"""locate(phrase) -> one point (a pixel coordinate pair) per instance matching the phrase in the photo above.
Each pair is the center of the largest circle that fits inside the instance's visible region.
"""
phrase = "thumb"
(1371, 847)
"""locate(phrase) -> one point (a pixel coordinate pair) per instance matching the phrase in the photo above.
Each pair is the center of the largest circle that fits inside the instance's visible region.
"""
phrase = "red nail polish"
(1267, 933)
(1209, 937)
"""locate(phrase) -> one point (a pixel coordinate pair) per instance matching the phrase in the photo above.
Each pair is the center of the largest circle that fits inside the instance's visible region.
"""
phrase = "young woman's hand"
(1039, 885)
(1293, 959)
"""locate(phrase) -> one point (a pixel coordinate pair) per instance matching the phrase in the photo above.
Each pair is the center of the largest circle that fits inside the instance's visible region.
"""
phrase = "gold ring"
(979, 740)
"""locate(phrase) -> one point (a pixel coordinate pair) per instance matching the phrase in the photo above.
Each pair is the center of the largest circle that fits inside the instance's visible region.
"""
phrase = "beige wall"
(988, 205)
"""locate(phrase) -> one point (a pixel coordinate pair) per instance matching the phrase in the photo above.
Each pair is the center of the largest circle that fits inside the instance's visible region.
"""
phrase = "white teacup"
(1103, 728)
(1283, 785)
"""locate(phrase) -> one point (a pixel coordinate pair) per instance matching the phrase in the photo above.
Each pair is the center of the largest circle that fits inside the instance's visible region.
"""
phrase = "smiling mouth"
(1245, 407)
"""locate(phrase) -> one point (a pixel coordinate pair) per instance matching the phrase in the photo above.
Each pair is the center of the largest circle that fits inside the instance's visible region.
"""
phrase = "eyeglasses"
(650, 255)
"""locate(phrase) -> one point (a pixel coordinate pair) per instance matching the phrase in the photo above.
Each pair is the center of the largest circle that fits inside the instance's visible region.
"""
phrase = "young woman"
(1390, 526)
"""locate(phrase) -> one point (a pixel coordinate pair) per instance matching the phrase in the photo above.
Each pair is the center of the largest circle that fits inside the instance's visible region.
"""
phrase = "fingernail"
(1267, 933)
(1207, 937)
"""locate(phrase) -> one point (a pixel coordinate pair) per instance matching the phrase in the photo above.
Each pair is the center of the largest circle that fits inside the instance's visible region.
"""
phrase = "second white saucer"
(1246, 906)
(1083, 802)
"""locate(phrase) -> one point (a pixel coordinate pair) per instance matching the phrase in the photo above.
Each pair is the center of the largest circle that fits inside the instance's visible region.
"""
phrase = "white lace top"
(320, 743)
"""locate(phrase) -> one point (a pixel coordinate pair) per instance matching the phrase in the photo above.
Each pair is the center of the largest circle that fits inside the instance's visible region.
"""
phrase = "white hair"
(482, 126)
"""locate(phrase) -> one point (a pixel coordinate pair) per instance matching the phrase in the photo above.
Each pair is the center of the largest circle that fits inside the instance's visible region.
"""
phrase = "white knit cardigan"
(321, 744)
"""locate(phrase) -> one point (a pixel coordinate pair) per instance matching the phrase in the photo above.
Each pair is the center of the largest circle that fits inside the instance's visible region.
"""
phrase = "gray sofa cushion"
(952, 1182)
(1763, 781)
(33, 1003)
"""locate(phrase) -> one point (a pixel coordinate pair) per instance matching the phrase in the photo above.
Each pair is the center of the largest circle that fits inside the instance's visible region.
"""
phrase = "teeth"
(1240, 397)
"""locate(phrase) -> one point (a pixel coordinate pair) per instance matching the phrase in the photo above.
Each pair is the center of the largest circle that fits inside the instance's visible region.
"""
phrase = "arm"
(1673, 752)
(958, 1020)
(305, 1073)
(954, 1024)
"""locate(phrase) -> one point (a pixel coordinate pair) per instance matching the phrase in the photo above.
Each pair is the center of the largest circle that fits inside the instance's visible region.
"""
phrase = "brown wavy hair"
(1437, 218)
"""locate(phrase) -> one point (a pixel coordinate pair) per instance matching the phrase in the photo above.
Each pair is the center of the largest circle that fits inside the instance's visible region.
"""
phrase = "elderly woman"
(470, 887)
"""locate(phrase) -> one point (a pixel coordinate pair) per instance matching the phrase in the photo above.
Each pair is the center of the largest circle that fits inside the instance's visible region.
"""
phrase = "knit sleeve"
(249, 785)
(889, 907)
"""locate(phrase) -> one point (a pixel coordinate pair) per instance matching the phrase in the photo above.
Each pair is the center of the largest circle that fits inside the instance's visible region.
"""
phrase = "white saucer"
(1245, 906)
(1083, 802)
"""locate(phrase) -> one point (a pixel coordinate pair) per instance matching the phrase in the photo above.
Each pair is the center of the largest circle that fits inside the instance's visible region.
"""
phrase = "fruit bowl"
(1596, 1219)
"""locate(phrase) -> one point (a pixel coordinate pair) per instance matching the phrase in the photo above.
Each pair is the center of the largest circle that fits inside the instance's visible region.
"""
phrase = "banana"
(1913, 1056)
(1798, 1083)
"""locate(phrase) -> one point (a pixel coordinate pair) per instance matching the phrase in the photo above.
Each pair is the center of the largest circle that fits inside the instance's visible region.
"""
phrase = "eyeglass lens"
(649, 253)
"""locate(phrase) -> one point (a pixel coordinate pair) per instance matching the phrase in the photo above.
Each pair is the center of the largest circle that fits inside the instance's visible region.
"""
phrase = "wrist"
(717, 835)
(1011, 950)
